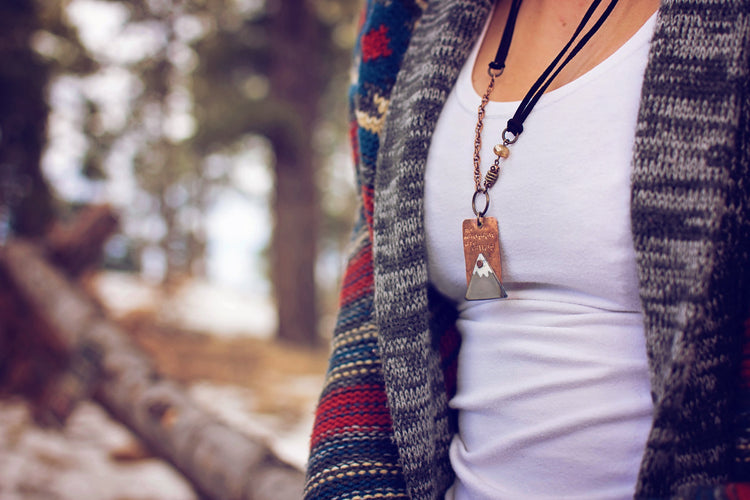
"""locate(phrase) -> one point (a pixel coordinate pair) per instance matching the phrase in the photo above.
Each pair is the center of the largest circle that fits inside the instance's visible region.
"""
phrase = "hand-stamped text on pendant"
(484, 240)
(480, 242)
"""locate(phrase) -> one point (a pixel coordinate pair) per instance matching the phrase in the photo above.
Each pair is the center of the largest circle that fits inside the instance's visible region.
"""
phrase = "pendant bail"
(494, 70)
(480, 213)
(509, 140)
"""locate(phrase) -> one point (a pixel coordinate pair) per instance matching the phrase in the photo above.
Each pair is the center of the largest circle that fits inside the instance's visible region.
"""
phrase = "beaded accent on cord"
(501, 150)
(514, 126)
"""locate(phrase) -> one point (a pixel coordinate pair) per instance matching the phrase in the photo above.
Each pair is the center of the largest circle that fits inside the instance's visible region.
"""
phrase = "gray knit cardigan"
(690, 210)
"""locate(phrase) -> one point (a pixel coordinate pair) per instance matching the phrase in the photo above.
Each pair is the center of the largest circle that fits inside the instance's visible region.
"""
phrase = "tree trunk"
(25, 199)
(294, 246)
(296, 88)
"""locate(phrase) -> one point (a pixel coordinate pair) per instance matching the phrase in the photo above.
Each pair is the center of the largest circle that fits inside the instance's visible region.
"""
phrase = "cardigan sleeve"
(352, 452)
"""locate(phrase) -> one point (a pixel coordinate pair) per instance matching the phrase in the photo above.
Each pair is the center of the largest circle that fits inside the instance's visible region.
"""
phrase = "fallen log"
(220, 462)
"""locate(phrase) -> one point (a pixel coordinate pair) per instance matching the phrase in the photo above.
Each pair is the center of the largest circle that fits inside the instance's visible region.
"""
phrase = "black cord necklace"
(481, 234)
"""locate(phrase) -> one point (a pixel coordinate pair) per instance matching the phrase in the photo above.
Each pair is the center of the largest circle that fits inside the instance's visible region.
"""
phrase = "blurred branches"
(156, 103)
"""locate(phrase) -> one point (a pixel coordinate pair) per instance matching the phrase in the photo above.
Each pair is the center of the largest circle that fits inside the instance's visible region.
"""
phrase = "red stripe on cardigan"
(358, 407)
(368, 204)
(358, 279)
(353, 129)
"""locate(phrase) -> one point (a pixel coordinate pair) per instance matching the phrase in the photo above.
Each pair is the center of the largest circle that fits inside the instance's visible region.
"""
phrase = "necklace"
(481, 235)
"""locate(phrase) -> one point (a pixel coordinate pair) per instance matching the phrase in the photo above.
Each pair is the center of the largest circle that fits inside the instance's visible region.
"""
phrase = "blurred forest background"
(199, 145)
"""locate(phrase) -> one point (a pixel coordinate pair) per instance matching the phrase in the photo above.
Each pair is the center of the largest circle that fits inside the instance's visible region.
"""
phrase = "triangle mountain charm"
(484, 272)
(484, 283)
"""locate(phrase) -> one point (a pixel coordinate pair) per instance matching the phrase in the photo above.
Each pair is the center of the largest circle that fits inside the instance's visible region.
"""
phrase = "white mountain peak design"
(482, 267)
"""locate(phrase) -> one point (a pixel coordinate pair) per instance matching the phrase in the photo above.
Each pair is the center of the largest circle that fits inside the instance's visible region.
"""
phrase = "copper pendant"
(482, 255)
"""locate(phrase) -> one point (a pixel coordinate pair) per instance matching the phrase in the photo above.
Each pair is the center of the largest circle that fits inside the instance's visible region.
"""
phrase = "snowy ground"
(79, 461)
(95, 458)
(196, 305)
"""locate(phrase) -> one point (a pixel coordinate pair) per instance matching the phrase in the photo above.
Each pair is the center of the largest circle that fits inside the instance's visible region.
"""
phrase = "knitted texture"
(352, 452)
(411, 364)
(383, 426)
(690, 223)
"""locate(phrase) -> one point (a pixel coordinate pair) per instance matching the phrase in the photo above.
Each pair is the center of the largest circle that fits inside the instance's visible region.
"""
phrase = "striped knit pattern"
(352, 452)
(383, 426)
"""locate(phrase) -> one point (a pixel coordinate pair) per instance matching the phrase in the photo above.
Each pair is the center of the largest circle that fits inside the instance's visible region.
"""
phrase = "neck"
(559, 13)
(542, 29)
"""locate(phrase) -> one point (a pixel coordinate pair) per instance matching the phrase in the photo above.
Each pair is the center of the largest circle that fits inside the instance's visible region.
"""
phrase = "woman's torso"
(553, 395)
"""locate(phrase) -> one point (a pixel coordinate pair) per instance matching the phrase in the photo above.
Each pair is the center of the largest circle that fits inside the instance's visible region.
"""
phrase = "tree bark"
(296, 88)
(220, 462)
(25, 199)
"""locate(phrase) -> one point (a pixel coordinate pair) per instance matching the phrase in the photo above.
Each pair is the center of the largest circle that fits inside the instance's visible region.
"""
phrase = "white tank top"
(553, 390)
